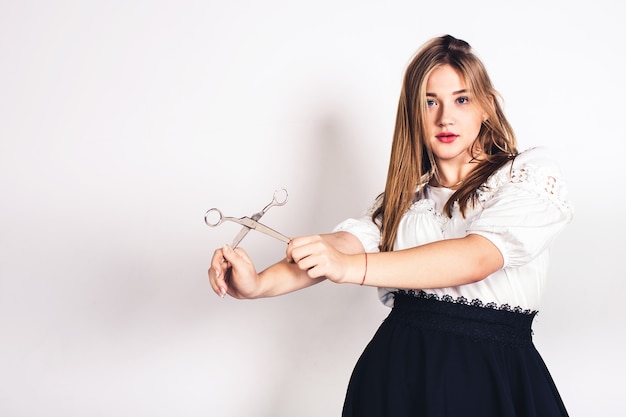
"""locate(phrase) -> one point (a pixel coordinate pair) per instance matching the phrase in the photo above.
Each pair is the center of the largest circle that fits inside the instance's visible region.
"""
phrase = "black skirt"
(437, 358)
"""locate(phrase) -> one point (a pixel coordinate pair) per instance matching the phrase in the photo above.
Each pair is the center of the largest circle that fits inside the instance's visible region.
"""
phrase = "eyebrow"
(464, 91)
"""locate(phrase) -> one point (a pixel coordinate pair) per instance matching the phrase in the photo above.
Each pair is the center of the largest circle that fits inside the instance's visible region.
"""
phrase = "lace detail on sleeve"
(544, 181)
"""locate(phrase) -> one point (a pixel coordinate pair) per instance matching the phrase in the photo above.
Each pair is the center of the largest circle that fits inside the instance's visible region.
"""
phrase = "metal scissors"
(278, 199)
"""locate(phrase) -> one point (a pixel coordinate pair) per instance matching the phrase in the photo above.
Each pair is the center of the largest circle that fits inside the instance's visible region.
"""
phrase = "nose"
(445, 117)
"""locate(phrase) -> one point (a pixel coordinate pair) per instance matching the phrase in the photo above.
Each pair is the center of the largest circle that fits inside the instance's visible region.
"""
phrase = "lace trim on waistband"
(462, 300)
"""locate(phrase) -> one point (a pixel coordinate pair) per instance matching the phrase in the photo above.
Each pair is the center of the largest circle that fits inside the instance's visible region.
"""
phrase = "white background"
(122, 122)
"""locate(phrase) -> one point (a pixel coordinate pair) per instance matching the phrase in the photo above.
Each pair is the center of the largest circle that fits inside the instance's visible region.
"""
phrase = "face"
(453, 116)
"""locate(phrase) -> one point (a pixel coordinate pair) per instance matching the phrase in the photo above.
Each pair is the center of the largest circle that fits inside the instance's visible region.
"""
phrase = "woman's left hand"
(319, 258)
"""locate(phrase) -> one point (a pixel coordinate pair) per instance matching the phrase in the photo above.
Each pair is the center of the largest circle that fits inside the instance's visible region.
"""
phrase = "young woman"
(457, 245)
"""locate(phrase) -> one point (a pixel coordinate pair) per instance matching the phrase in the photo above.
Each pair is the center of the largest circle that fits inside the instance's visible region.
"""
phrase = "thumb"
(229, 254)
(235, 255)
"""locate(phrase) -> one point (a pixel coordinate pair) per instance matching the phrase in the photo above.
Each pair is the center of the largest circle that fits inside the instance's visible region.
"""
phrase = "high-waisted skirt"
(437, 358)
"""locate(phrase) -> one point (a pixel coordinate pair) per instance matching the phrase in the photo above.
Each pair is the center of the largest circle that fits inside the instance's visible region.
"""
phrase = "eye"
(463, 100)
(430, 102)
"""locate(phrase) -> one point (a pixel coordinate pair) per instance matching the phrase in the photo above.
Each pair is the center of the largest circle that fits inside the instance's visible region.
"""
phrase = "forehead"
(445, 79)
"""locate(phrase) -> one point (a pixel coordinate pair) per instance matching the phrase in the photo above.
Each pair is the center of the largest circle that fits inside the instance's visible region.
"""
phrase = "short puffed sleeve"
(524, 207)
(364, 228)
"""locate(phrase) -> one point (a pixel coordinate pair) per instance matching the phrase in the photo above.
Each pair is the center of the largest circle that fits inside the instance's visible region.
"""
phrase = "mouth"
(446, 137)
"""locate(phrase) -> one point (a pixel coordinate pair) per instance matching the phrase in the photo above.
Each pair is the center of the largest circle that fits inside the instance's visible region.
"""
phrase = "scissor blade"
(244, 231)
(271, 232)
(252, 224)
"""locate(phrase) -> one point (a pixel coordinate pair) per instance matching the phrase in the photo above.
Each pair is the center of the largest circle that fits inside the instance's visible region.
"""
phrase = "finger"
(218, 285)
(217, 273)
(215, 270)
(243, 255)
(314, 266)
(288, 251)
(300, 247)
(237, 258)
(304, 251)
(230, 255)
(302, 241)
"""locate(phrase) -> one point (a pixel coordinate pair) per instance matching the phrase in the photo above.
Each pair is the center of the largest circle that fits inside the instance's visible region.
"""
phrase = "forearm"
(281, 278)
(439, 264)
(285, 276)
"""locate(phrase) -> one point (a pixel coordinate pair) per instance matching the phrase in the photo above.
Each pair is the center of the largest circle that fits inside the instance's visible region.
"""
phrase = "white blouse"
(521, 209)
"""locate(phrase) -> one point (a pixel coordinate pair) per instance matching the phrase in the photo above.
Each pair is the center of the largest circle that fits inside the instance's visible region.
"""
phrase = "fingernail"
(217, 272)
(223, 292)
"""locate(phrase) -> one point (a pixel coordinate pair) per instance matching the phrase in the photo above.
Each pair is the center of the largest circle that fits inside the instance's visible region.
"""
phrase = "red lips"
(446, 137)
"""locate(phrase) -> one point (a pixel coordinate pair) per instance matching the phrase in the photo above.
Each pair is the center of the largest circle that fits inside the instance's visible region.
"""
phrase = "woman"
(457, 245)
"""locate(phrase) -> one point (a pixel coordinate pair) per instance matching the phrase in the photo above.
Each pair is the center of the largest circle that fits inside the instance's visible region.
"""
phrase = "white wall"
(121, 122)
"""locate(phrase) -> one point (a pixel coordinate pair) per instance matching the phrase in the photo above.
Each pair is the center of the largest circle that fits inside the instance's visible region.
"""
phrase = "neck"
(451, 173)
(436, 182)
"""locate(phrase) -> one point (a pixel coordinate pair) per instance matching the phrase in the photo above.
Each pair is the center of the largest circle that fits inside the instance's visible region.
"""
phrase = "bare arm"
(439, 264)
(233, 272)
(445, 263)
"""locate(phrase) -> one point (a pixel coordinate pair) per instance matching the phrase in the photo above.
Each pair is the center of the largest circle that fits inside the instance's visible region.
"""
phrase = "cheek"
(477, 126)
(474, 122)
(431, 121)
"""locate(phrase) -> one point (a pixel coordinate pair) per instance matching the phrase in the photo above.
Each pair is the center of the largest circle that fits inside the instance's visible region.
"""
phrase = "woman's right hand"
(233, 273)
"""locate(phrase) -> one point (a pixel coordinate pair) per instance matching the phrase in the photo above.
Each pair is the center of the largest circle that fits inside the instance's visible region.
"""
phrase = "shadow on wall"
(339, 173)
(327, 325)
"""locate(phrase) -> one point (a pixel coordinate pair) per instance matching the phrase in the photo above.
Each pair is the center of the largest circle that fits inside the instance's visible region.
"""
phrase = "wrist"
(364, 270)
(357, 273)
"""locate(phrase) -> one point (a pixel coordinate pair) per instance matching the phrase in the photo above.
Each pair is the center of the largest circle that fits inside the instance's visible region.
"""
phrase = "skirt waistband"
(478, 323)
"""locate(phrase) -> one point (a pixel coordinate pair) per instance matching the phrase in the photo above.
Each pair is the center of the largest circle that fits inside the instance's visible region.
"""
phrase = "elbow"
(486, 260)
(485, 266)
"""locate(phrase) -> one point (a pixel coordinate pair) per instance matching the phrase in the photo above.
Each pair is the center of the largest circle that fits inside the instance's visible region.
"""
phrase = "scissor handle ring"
(280, 197)
(219, 219)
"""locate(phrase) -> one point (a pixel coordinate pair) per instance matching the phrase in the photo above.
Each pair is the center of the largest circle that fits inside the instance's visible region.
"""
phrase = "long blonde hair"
(412, 163)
